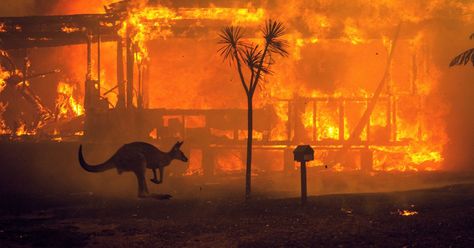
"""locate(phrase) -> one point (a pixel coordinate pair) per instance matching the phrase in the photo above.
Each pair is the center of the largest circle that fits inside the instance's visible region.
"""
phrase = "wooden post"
(315, 131)
(98, 66)
(394, 119)
(130, 63)
(120, 78)
(389, 117)
(368, 128)
(145, 85)
(341, 121)
(87, 91)
(303, 183)
(289, 123)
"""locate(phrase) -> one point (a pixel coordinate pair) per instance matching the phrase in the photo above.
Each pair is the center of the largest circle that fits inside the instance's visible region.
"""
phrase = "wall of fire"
(334, 55)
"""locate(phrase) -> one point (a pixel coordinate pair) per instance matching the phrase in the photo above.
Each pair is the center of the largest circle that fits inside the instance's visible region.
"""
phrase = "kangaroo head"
(176, 153)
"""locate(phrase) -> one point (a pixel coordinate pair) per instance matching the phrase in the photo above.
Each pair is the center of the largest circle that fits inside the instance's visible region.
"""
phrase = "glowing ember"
(153, 134)
(407, 212)
(3, 28)
(67, 29)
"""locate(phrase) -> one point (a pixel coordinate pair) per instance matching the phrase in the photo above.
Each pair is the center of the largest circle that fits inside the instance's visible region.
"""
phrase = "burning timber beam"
(52, 31)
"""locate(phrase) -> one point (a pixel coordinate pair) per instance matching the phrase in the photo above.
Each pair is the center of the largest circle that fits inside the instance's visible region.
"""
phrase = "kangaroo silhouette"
(136, 157)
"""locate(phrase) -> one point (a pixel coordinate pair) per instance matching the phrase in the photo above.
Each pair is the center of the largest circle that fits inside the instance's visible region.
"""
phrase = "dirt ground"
(444, 218)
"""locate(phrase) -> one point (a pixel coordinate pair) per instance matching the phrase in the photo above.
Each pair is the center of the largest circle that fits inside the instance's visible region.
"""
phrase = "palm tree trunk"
(248, 172)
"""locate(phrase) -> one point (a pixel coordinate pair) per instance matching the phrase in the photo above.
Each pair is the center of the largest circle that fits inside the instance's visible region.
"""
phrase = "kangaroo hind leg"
(154, 179)
(140, 173)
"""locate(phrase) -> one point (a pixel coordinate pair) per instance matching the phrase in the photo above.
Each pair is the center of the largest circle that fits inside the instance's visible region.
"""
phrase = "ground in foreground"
(439, 217)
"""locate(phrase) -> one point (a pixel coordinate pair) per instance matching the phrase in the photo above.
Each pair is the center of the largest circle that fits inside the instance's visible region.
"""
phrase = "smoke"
(17, 7)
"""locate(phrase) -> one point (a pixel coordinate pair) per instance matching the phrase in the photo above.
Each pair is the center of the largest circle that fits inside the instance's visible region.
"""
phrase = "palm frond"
(463, 58)
(252, 57)
(279, 46)
(272, 32)
(231, 41)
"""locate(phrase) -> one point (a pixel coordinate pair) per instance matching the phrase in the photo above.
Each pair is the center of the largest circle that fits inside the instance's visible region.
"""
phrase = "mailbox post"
(302, 154)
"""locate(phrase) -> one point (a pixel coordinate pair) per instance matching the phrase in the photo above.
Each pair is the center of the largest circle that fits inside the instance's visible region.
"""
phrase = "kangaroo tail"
(94, 168)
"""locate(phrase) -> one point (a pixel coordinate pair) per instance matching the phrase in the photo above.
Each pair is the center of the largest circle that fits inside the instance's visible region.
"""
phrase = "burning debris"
(67, 106)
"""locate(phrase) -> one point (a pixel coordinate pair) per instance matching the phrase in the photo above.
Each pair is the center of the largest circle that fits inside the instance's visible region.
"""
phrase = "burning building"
(360, 78)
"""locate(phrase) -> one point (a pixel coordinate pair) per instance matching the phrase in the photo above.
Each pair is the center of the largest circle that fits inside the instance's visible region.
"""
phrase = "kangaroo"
(136, 157)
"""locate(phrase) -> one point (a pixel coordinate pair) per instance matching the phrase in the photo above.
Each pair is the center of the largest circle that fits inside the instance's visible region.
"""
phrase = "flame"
(3, 75)
(238, 16)
(194, 167)
(66, 105)
(353, 33)
(150, 23)
(147, 24)
(23, 130)
(229, 162)
(153, 134)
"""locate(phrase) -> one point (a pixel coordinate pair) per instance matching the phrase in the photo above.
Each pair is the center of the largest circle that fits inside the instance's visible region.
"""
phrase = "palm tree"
(464, 57)
(257, 60)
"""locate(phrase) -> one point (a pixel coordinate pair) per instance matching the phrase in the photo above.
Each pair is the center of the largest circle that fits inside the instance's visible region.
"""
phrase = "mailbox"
(303, 153)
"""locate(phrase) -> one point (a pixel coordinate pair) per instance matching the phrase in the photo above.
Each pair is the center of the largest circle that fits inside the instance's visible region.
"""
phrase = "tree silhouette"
(257, 60)
(464, 57)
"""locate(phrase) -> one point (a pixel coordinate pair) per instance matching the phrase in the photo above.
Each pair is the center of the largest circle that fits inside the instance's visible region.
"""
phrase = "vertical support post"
(130, 62)
(315, 132)
(287, 152)
(303, 183)
(89, 58)
(87, 93)
(414, 90)
(366, 160)
(368, 128)
(145, 86)
(394, 119)
(98, 65)
(389, 117)
(140, 86)
(208, 161)
(418, 118)
(341, 121)
(87, 90)
(120, 78)
(368, 134)
(25, 64)
(289, 123)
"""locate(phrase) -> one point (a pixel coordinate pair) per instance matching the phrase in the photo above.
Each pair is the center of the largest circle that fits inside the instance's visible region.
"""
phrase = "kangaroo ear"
(178, 145)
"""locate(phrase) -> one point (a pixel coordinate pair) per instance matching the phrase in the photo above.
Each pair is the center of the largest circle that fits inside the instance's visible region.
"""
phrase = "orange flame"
(66, 104)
